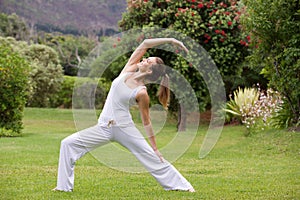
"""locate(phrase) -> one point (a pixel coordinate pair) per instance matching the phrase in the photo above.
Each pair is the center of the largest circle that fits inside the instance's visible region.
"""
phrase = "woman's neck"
(140, 76)
(137, 79)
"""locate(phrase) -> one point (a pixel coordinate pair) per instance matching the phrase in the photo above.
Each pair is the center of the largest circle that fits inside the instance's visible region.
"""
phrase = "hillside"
(77, 15)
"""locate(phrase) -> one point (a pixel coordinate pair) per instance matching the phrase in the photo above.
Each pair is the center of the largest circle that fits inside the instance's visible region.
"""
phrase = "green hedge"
(88, 92)
(13, 90)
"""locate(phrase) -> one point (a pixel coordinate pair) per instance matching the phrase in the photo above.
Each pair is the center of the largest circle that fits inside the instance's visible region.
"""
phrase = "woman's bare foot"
(57, 190)
(192, 190)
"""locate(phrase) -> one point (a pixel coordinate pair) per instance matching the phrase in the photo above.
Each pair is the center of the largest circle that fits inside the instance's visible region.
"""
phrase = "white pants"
(75, 146)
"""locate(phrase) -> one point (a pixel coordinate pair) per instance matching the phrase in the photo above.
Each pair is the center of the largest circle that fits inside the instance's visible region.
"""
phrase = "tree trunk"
(182, 115)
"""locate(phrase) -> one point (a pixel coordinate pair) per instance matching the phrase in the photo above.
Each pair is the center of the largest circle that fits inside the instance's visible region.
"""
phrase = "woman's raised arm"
(140, 51)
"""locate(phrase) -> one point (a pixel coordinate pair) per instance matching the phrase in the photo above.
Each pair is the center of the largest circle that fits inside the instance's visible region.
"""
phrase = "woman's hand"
(180, 44)
(159, 155)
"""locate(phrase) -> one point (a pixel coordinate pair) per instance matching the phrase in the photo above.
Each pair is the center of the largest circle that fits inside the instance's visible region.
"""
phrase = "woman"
(115, 122)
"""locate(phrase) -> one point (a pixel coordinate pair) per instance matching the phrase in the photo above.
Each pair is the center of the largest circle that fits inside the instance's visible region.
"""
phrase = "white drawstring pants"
(75, 146)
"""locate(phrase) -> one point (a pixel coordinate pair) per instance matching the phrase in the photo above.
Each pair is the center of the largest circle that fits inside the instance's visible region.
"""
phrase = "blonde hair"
(159, 71)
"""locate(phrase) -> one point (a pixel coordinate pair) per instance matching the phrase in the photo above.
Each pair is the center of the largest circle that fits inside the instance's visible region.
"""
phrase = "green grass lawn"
(264, 166)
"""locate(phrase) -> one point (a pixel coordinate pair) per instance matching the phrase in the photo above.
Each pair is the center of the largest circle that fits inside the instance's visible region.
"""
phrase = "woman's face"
(146, 63)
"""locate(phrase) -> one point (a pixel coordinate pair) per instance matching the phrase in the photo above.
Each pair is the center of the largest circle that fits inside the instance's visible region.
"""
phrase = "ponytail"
(164, 92)
(159, 71)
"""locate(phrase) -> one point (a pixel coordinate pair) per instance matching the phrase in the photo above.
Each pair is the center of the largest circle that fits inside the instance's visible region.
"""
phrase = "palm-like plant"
(240, 105)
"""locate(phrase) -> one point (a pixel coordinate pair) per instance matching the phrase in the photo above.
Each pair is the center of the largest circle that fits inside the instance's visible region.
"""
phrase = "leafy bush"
(46, 74)
(283, 117)
(13, 26)
(88, 92)
(274, 26)
(13, 90)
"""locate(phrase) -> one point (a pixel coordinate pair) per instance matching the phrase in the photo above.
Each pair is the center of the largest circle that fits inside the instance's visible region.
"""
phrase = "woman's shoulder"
(142, 95)
(122, 75)
(141, 91)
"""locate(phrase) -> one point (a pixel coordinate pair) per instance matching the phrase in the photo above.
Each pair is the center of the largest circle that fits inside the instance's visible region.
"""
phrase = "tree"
(13, 90)
(13, 26)
(274, 26)
(46, 74)
(72, 49)
(214, 24)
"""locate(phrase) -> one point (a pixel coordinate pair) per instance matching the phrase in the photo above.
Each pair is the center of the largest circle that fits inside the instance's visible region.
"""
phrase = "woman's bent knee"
(68, 141)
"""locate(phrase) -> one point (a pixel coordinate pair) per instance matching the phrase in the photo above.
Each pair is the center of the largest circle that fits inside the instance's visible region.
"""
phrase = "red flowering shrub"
(214, 24)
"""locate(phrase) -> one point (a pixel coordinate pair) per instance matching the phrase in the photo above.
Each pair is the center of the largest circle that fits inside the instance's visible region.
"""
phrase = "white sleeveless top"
(119, 99)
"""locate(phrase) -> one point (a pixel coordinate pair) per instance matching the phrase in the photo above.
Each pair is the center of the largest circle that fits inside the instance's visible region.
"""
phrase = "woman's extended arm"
(143, 102)
(143, 47)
